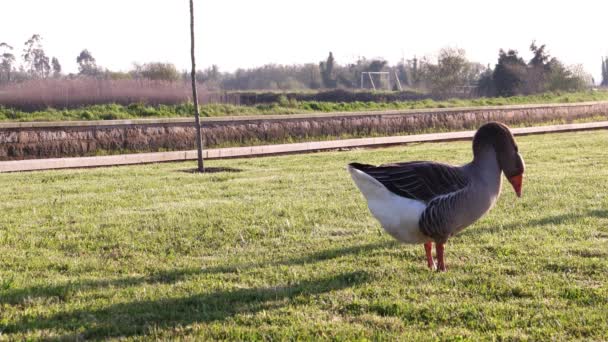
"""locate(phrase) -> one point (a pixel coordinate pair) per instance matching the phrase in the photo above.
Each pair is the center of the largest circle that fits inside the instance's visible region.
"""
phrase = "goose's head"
(497, 136)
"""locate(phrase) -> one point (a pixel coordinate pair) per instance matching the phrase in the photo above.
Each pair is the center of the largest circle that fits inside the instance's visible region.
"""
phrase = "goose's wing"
(419, 180)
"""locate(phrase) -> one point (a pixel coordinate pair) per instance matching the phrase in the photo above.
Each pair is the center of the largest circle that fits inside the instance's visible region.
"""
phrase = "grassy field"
(285, 248)
(134, 111)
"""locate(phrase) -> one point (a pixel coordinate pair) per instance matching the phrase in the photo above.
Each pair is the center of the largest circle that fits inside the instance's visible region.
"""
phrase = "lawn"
(285, 248)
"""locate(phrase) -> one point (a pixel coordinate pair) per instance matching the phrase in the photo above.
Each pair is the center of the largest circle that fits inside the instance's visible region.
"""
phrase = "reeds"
(79, 92)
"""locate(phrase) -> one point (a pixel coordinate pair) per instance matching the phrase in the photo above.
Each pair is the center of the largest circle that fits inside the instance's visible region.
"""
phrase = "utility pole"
(197, 118)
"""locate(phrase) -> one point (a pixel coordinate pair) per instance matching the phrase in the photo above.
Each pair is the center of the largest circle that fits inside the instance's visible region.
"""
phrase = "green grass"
(285, 248)
(134, 111)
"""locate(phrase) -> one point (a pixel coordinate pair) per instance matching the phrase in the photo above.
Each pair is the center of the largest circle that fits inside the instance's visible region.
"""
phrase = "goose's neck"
(485, 166)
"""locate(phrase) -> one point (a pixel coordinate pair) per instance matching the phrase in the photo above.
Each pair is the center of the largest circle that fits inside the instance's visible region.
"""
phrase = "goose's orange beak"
(517, 181)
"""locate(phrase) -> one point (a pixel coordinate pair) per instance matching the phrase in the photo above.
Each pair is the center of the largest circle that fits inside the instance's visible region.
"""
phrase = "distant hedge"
(338, 95)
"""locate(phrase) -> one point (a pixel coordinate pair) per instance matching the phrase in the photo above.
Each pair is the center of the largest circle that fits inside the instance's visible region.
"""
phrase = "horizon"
(239, 34)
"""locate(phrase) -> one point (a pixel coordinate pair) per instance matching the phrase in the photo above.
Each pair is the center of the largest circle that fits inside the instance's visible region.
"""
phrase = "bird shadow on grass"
(65, 290)
(599, 213)
(547, 220)
(212, 170)
(139, 317)
(305, 259)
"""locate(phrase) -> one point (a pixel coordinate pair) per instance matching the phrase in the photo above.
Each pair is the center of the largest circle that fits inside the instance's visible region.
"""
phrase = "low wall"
(67, 139)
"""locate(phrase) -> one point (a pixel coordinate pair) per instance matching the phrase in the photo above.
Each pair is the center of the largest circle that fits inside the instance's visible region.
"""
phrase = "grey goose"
(425, 202)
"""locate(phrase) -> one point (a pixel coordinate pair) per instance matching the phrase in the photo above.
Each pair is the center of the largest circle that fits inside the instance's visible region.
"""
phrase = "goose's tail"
(368, 185)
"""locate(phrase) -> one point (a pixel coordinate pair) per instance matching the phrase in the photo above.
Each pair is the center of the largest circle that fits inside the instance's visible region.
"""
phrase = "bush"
(337, 95)
(159, 72)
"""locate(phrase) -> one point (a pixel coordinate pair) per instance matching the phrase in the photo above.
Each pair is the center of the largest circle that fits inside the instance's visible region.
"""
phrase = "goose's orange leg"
(440, 257)
(428, 248)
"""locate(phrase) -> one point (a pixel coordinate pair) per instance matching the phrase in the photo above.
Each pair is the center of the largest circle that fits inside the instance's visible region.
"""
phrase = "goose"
(425, 202)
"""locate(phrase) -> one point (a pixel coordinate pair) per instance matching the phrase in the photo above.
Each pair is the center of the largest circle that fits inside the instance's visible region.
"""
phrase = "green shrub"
(283, 101)
(86, 115)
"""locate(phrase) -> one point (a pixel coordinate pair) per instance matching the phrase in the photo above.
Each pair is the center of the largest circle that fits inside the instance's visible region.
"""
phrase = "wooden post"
(197, 119)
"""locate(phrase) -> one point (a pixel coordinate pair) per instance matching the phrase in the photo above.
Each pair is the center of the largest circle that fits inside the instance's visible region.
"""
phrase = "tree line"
(36, 64)
(450, 73)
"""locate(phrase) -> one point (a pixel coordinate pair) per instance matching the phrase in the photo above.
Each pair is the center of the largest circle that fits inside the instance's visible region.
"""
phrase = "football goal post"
(384, 77)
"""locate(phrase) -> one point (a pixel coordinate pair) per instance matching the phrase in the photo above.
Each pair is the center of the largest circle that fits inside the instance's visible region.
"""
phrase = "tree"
(540, 57)
(197, 119)
(6, 60)
(327, 72)
(604, 72)
(211, 77)
(570, 78)
(485, 84)
(214, 72)
(87, 65)
(509, 73)
(452, 73)
(270, 76)
(585, 79)
(311, 75)
(158, 71)
(56, 67)
(546, 73)
(413, 66)
(349, 76)
(35, 59)
(403, 74)
(538, 71)
(542, 73)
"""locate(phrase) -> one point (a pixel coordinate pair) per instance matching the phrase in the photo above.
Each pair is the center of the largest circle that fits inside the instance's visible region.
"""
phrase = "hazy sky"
(247, 33)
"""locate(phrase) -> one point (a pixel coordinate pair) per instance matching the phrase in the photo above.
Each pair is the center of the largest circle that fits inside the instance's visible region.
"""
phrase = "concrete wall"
(64, 139)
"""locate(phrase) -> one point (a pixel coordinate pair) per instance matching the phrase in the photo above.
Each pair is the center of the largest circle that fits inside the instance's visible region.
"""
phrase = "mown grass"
(285, 248)
(283, 106)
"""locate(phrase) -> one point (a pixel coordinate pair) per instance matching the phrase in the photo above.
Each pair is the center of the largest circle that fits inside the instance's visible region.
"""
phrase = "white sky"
(248, 33)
